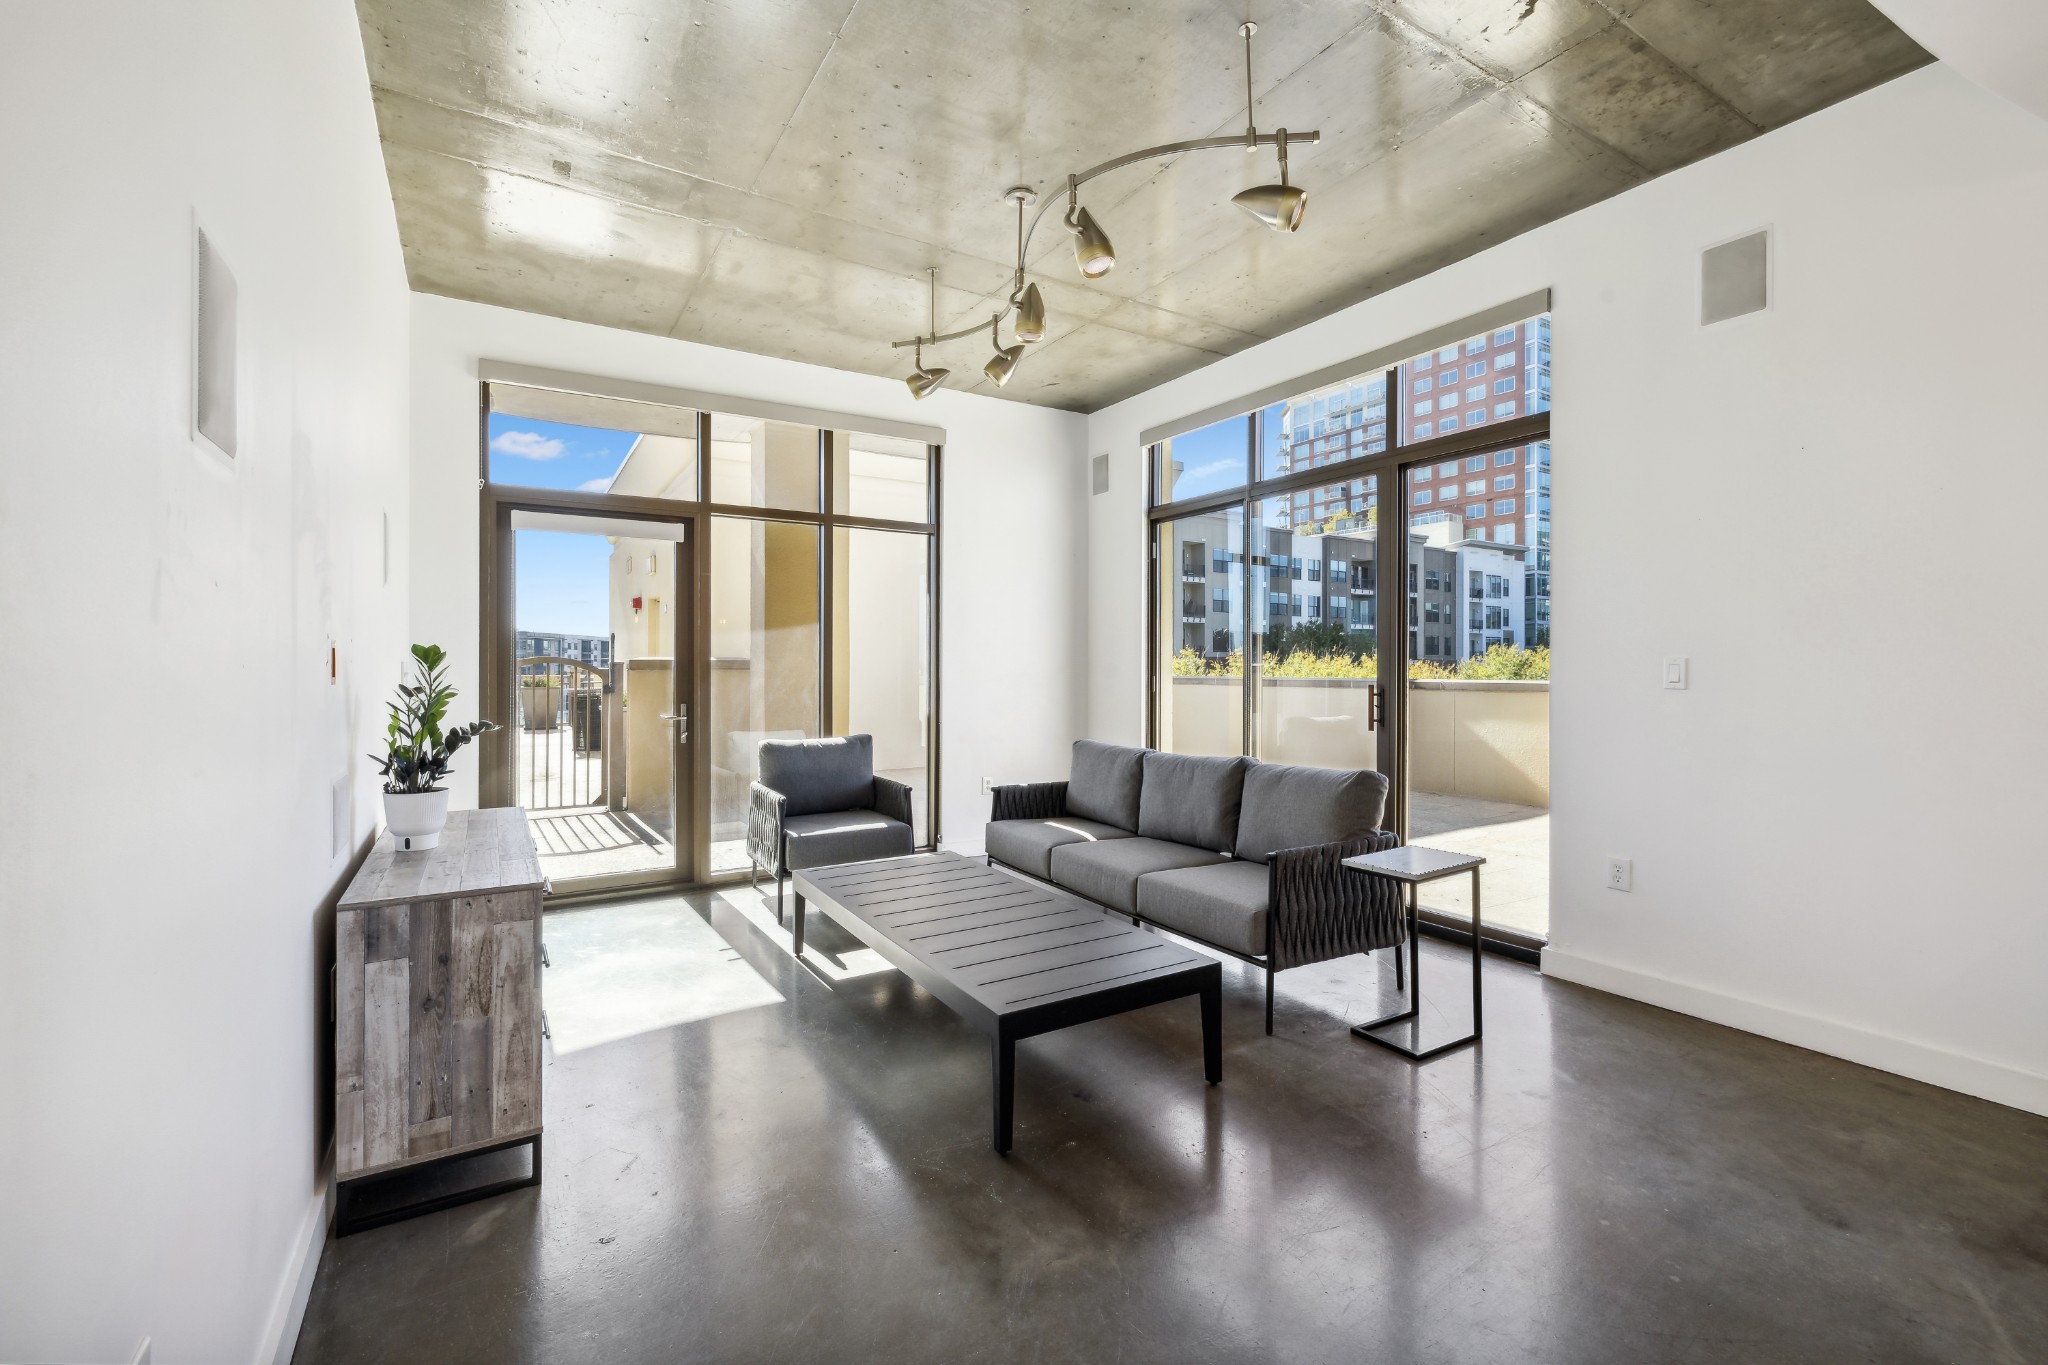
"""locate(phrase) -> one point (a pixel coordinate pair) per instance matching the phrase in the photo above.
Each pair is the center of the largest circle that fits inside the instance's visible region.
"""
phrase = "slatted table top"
(989, 944)
(481, 852)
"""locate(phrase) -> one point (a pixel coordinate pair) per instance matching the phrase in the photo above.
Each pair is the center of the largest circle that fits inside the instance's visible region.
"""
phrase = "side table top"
(1414, 863)
(481, 852)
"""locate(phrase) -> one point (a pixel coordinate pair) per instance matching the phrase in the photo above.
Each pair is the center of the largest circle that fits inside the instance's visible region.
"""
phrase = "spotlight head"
(1092, 250)
(1002, 364)
(1030, 325)
(1279, 207)
(923, 381)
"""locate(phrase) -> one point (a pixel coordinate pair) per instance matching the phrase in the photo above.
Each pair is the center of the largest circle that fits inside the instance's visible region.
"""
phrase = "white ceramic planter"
(416, 818)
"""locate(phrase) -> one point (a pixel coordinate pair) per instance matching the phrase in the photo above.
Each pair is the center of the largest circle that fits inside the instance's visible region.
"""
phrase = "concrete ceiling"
(777, 175)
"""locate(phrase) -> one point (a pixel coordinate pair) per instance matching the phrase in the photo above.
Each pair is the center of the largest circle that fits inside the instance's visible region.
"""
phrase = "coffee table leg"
(799, 932)
(1212, 1029)
(1003, 1063)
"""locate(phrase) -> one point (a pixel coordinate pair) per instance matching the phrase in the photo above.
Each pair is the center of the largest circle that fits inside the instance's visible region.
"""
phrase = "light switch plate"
(1677, 672)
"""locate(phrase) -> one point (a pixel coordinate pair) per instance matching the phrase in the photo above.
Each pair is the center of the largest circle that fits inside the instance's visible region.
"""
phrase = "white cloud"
(526, 445)
(602, 485)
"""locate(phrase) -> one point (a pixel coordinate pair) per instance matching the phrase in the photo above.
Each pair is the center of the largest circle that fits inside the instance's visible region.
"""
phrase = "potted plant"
(417, 752)
(540, 696)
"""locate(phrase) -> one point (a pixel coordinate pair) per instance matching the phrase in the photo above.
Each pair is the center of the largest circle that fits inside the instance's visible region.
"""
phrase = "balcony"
(1478, 758)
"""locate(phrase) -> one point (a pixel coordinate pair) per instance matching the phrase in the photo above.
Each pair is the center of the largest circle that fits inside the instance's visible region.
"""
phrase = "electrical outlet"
(1621, 874)
(988, 787)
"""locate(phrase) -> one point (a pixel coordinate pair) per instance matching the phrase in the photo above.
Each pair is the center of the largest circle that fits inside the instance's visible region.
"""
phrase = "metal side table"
(1412, 865)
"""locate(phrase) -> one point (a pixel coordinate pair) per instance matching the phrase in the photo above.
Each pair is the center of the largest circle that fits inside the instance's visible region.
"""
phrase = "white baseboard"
(281, 1335)
(1994, 1081)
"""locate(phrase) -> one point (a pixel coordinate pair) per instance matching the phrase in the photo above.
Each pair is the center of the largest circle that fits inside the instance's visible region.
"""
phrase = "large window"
(792, 596)
(1272, 533)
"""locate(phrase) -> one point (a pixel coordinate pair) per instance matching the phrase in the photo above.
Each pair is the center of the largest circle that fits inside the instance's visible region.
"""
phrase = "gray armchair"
(819, 802)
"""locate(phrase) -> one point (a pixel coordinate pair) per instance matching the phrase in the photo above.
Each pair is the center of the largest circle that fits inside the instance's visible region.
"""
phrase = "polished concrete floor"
(780, 1163)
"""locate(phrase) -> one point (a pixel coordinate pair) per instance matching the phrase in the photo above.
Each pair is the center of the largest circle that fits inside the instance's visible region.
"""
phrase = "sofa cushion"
(849, 836)
(1224, 905)
(819, 775)
(1027, 845)
(1291, 807)
(1103, 785)
(1191, 800)
(1108, 871)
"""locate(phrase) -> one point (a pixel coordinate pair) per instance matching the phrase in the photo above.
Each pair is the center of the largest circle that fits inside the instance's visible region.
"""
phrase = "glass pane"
(881, 477)
(881, 657)
(1333, 424)
(594, 735)
(759, 463)
(1478, 699)
(1315, 612)
(540, 438)
(1492, 377)
(764, 662)
(1210, 460)
(1201, 633)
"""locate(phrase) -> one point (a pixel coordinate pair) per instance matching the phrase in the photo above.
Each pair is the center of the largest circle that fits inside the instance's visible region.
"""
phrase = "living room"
(641, 364)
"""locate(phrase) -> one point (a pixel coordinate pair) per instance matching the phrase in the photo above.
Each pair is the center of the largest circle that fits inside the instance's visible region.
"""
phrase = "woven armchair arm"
(892, 798)
(764, 828)
(1319, 909)
(1029, 801)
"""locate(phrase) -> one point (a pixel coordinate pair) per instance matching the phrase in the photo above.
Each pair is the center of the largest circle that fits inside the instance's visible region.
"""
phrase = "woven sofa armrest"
(1029, 801)
(1319, 909)
(764, 827)
(892, 798)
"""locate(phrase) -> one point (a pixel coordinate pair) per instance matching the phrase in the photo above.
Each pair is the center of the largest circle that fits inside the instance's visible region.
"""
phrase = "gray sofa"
(1241, 855)
(819, 802)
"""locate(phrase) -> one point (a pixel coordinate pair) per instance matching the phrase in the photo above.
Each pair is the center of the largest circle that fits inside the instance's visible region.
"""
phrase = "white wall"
(1012, 577)
(166, 866)
(1835, 843)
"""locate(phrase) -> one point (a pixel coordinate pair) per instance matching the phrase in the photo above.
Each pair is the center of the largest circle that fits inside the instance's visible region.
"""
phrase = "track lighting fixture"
(922, 381)
(1030, 324)
(1005, 359)
(1279, 207)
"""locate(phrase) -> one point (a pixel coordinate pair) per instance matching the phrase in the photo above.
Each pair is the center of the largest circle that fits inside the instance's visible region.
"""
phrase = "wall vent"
(1102, 473)
(213, 367)
(1735, 278)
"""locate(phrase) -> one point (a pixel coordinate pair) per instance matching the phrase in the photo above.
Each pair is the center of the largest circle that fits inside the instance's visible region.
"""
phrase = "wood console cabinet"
(437, 1031)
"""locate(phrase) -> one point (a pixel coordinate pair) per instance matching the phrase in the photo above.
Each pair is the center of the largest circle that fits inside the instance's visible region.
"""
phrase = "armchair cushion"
(853, 836)
(821, 775)
(1191, 800)
(1107, 871)
(1027, 845)
(1224, 904)
(1292, 807)
(1104, 783)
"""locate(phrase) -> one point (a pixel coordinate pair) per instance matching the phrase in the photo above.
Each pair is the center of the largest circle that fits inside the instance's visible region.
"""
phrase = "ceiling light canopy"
(1279, 207)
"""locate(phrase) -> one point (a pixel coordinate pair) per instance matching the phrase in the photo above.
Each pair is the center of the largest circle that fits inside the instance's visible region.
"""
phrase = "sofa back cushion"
(1290, 807)
(819, 776)
(1103, 785)
(1191, 800)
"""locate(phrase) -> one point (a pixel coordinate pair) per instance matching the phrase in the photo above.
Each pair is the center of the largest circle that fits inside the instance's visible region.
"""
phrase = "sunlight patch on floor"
(639, 967)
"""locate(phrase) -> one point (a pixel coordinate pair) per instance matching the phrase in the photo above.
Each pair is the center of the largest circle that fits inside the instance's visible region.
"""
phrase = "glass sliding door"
(881, 656)
(1202, 605)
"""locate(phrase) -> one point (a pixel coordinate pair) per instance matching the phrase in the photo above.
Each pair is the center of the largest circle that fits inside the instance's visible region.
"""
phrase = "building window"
(1424, 384)
(1506, 385)
(1475, 464)
(1424, 362)
(1506, 409)
(1448, 470)
(1507, 361)
(1503, 482)
(1423, 497)
(1476, 394)
(1423, 429)
(1504, 337)
(1448, 422)
(1474, 511)
(1424, 474)
(1475, 488)
(1475, 346)
(1425, 407)
(1505, 507)
(1501, 457)
(1475, 369)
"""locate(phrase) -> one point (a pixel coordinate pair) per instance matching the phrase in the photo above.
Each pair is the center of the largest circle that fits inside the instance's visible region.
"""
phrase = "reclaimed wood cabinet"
(437, 1025)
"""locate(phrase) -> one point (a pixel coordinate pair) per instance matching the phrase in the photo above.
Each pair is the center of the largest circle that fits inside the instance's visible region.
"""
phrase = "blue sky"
(563, 579)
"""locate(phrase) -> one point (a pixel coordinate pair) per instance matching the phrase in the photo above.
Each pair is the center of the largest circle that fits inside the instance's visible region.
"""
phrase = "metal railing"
(563, 748)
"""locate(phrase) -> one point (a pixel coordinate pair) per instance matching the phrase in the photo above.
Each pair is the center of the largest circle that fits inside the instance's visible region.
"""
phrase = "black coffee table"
(1012, 957)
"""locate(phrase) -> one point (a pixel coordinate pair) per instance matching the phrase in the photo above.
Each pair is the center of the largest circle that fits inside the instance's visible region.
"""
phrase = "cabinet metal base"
(347, 1193)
